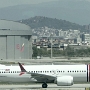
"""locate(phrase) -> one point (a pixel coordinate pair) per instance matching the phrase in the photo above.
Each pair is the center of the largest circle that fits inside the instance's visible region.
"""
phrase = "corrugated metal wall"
(2, 47)
(15, 47)
(30, 47)
(10, 47)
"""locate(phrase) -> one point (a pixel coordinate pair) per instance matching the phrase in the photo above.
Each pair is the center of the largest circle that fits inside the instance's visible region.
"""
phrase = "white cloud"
(5, 3)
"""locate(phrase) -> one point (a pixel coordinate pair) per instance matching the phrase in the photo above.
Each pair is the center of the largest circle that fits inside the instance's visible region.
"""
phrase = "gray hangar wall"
(15, 40)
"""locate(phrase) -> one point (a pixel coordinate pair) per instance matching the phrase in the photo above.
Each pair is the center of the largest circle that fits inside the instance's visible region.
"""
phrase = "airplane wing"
(37, 76)
(42, 77)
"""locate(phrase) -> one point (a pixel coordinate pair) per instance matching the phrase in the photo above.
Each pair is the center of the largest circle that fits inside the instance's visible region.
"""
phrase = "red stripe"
(21, 73)
(22, 49)
(89, 72)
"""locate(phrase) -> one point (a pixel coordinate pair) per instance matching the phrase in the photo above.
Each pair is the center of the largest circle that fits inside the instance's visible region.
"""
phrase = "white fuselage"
(80, 73)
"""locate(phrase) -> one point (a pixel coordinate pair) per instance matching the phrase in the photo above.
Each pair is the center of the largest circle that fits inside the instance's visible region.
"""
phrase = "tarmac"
(48, 60)
(50, 87)
(39, 63)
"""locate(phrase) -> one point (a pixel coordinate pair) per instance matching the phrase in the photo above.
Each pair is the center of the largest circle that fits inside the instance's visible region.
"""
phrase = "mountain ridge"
(77, 11)
(41, 21)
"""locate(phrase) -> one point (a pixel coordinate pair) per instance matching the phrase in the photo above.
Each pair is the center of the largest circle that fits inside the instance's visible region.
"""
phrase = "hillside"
(40, 21)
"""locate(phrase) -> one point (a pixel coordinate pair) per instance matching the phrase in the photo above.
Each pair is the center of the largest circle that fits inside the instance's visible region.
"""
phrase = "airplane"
(2, 65)
(62, 75)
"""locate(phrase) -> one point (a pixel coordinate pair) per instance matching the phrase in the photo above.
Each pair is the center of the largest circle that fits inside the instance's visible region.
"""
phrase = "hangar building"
(15, 40)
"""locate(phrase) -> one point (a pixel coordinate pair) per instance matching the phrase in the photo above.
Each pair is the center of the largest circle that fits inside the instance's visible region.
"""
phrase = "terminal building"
(15, 40)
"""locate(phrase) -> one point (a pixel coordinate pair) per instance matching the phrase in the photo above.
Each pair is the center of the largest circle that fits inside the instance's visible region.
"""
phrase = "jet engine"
(64, 81)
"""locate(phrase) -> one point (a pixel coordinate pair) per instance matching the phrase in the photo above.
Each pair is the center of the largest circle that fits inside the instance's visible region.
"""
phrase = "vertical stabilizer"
(22, 68)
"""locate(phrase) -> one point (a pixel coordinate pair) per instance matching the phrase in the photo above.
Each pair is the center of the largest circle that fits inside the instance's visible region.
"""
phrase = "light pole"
(51, 44)
(51, 47)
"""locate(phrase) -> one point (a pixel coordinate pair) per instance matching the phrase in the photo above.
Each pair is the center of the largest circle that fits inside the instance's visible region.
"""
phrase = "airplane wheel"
(44, 85)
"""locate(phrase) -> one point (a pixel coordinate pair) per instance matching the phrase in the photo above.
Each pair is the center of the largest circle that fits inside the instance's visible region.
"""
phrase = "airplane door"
(55, 72)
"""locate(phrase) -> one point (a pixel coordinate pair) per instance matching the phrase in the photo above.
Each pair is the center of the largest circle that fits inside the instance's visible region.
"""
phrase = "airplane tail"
(23, 71)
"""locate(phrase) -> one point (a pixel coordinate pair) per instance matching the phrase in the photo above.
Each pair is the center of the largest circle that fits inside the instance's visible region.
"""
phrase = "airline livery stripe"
(87, 73)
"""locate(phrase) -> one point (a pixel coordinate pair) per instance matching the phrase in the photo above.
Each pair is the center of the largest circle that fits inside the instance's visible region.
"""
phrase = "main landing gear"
(44, 85)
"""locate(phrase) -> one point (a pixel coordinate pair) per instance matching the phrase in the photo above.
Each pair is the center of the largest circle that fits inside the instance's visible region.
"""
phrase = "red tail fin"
(22, 68)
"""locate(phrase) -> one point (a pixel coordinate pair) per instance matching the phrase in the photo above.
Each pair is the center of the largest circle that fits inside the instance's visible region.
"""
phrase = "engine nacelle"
(64, 81)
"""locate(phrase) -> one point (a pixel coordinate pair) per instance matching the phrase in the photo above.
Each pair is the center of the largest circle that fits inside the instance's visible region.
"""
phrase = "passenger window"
(41, 71)
(17, 71)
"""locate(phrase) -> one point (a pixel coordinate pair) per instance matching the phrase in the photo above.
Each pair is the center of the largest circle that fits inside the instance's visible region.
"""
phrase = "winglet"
(22, 68)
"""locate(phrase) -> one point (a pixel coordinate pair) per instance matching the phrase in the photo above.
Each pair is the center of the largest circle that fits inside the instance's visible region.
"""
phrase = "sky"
(66, 10)
(6, 3)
